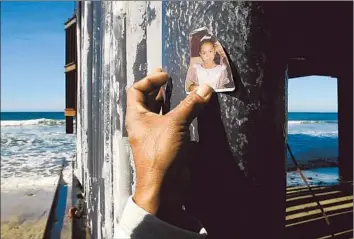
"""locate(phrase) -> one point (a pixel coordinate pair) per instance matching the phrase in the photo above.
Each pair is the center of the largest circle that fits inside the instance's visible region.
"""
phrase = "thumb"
(192, 105)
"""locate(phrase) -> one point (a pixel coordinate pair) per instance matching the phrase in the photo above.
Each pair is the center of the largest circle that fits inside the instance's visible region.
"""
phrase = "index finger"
(151, 82)
(137, 93)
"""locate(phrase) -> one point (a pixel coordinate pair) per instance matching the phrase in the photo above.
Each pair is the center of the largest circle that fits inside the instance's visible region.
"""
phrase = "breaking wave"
(43, 121)
(313, 122)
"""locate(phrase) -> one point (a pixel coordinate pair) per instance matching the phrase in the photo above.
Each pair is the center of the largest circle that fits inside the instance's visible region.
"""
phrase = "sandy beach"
(25, 210)
(24, 213)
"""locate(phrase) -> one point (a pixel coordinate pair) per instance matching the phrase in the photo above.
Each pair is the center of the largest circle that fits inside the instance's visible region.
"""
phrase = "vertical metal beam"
(345, 121)
(122, 175)
(78, 168)
(154, 35)
(107, 172)
(86, 59)
(97, 188)
(70, 75)
(345, 98)
(136, 41)
(69, 123)
(239, 179)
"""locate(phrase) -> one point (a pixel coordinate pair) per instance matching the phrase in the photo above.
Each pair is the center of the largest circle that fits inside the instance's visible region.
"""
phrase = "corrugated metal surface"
(242, 134)
(107, 65)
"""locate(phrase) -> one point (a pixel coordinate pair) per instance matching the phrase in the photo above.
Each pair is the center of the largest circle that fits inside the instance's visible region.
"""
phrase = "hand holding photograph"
(208, 63)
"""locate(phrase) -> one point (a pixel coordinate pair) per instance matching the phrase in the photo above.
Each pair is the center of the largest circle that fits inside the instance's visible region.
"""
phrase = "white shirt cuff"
(137, 223)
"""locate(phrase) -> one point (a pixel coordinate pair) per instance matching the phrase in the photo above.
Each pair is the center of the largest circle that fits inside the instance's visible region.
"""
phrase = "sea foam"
(33, 152)
(43, 121)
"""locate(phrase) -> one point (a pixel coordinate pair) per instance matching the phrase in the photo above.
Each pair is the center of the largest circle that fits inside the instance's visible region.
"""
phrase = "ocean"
(34, 146)
(313, 140)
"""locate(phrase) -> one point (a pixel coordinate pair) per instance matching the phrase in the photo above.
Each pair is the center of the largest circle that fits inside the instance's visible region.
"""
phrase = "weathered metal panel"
(118, 78)
(78, 159)
(107, 172)
(345, 121)
(136, 41)
(97, 188)
(154, 35)
(108, 66)
(86, 59)
(242, 134)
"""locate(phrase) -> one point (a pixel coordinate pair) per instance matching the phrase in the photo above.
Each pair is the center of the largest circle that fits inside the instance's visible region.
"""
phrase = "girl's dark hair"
(206, 38)
(211, 39)
(197, 39)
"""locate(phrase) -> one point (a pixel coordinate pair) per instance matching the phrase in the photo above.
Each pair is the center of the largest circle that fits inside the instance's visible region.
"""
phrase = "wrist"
(147, 196)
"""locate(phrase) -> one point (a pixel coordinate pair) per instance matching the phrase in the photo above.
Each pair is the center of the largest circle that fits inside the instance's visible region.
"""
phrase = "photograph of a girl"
(208, 63)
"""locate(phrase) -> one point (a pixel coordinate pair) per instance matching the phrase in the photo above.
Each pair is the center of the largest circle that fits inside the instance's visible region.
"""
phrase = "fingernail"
(204, 91)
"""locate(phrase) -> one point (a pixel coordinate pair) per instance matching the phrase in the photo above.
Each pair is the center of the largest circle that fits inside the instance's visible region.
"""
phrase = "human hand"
(219, 49)
(157, 141)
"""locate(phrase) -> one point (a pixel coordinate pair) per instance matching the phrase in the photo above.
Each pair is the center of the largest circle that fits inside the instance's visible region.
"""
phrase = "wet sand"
(24, 213)
(25, 206)
(318, 176)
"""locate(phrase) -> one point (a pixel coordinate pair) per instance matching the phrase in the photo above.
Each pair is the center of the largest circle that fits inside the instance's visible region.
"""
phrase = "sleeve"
(224, 79)
(137, 223)
(222, 61)
(191, 77)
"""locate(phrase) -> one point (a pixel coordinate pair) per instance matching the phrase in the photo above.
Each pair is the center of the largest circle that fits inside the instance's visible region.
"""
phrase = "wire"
(298, 169)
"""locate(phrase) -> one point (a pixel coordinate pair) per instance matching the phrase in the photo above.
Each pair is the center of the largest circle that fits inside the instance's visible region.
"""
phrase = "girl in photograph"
(209, 72)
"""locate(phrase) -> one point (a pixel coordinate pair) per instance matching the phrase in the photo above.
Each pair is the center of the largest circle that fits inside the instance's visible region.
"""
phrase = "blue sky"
(32, 55)
(32, 63)
(312, 94)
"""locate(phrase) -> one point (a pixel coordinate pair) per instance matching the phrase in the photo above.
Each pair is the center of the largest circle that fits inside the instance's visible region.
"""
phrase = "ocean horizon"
(34, 147)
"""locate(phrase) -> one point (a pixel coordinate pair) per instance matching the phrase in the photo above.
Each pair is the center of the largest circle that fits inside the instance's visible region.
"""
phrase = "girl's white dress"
(216, 77)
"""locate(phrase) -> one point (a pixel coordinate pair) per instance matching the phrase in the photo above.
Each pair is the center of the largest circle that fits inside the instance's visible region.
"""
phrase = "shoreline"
(313, 164)
(324, 176)
(26, 208)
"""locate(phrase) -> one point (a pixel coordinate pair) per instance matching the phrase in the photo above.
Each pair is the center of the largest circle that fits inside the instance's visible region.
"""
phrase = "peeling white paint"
(79, 152)
(154, 36)
(107, 230)
(242, 140)
(116, 58)
(122, 175)
(241, 121)
(99, 215)
(86, 80)
(135, 34)
(241, 165)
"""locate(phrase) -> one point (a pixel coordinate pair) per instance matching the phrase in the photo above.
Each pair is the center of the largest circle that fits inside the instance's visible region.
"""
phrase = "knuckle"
(147, 78)
(191, 100)
(149, 81)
